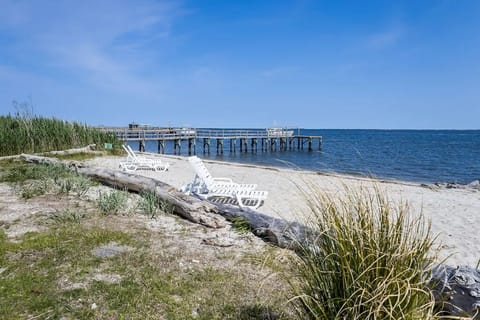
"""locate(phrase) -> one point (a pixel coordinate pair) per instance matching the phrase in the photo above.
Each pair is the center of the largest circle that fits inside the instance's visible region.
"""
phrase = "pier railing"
(266, 139)
(126, 134)
(231, 133)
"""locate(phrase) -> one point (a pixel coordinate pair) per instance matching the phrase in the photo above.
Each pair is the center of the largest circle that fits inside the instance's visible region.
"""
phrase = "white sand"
(454, 213)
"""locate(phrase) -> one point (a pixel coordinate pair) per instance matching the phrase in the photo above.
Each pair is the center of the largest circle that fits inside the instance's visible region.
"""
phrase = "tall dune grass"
(369, 260)
(23, 133)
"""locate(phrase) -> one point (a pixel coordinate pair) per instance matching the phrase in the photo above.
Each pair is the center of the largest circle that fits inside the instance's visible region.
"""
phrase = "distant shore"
(453, 212)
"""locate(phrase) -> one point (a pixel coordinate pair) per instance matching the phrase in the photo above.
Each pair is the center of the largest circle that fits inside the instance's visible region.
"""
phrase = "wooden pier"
(248, 140)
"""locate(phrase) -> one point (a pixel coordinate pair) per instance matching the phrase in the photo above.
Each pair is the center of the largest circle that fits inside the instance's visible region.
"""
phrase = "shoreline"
(453, 212)
(347, 175)
(438, 184)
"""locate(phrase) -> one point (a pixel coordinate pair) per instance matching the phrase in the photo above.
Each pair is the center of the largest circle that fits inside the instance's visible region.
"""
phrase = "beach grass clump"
(67, 216)
(241, 225)
(149, 204)
(112, 202)
(26, 133)
(75, 183)
(19, 172)
(34, 180)
(368, 259)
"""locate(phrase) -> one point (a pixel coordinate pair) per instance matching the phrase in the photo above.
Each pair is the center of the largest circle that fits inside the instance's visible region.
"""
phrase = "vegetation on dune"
(36, 180)
(25, 133)
(369, 260)
(366, 259)
(56, 273)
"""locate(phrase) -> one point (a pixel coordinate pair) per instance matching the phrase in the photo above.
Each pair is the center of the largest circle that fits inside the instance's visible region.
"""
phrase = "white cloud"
(106, 43)
(386, 38)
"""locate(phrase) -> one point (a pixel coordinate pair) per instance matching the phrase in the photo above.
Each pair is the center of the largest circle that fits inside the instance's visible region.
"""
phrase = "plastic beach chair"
(134, 162)
(207, 187)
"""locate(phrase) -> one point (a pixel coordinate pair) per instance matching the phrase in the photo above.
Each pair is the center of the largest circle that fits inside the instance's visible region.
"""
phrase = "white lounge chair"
(135, 162)
(205, 180)
(207, 187)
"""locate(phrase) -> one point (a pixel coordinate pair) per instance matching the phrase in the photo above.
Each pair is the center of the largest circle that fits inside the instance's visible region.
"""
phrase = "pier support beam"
(177, 145)
(192, 145)
(310, 141)
(273, 144)
(219, 146)
(206, 145)
(161, 146)
(254, 145)
(243, 144)
(233, 145)
(141, 146)
(283, 144)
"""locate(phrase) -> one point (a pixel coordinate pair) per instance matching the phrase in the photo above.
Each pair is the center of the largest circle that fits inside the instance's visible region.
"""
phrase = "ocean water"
(425, 156)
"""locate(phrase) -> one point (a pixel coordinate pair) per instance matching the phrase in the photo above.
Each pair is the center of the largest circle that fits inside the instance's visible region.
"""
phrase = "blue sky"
(314, 64)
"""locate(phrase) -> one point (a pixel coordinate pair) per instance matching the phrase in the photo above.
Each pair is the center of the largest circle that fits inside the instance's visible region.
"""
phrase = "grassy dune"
(32, 134)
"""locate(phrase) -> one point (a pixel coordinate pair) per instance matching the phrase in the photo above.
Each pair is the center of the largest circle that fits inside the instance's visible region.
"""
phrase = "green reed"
(25, 133)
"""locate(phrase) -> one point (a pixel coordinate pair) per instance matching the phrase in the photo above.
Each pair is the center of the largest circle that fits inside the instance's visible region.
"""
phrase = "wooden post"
(254, 145)
(192, 144)
(161, 146)
(298, 143)
(177, 144)
(320, 142)
(283, 144)
(206, 145)
(219, 146)
(233, 142)
(310, 140)
(141, 146)
(263, 144)
(245, 141)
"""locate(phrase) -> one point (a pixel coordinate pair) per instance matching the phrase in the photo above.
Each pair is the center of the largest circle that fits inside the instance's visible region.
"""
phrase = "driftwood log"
(277, 231)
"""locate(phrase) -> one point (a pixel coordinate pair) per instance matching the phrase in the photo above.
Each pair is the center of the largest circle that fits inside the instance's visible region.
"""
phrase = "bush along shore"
(33, 134)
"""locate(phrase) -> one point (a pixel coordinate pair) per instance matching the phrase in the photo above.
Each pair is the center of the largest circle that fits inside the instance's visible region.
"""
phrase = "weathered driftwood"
(277, 231)
(282, 233)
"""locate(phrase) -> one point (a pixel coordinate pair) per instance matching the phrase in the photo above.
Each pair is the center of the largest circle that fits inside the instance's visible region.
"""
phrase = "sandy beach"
(454, 213)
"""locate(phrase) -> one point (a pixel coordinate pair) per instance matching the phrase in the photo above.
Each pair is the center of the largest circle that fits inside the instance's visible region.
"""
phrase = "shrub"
(367, 260)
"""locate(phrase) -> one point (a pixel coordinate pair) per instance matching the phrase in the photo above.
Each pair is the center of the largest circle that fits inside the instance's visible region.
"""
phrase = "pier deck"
(243, 139)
